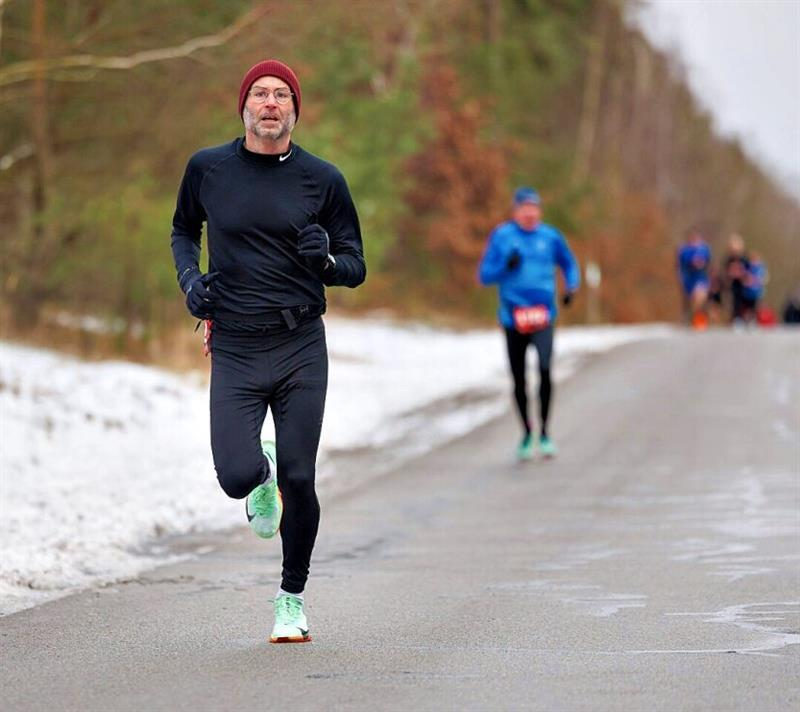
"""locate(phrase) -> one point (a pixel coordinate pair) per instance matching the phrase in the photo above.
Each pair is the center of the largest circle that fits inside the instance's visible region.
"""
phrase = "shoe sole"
(291, 639)
(525, 456)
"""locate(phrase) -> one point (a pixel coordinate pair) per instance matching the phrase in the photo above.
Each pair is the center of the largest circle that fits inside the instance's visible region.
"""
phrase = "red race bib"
(528, 320)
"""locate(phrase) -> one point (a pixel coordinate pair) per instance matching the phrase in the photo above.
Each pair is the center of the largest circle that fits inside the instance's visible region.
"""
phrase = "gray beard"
(254, 126)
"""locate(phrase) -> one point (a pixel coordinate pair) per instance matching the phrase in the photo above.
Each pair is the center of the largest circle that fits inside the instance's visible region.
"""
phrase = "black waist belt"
(273, 320)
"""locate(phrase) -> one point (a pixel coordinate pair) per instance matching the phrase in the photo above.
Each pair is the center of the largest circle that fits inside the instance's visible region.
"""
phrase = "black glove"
(201, 300)
(313, 245)
(566, 299)
(513, 261)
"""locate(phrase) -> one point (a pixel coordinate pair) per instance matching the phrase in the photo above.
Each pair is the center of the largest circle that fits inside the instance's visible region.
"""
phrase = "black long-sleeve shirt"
(253, 206)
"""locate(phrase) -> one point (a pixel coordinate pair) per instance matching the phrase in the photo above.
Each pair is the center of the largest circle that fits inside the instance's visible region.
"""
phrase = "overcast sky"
(744, 62)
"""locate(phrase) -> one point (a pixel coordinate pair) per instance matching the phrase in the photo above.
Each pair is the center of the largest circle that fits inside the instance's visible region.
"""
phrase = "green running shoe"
(264, 505)
(526, 447)
(290, 620)
(547, 447)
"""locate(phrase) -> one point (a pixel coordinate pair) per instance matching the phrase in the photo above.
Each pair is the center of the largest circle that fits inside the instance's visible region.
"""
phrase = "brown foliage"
(458, 187)
(638, 264)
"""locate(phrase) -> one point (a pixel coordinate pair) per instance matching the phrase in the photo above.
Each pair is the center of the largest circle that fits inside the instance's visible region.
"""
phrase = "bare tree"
(27, 70)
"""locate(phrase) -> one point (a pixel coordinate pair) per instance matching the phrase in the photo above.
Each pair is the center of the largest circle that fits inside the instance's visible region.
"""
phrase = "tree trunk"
(40, 236)
(590, 106)
(39, 114)
(493, 16)
(2, 9)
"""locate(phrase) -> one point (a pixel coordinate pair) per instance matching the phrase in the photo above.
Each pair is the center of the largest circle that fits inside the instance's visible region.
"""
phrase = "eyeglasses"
(260, 96)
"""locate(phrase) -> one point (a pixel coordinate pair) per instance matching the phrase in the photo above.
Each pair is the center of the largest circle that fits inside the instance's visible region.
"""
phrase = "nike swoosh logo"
(283, 158)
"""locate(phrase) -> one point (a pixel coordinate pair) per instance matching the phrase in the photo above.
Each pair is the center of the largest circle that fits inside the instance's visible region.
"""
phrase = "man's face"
(736, 246)
(267, 119)
(527, 215)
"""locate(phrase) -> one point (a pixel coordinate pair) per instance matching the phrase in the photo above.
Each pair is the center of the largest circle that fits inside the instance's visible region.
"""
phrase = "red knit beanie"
(272, 68)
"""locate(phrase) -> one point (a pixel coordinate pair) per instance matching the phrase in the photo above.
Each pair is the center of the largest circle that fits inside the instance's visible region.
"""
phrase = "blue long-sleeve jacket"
(534, 281)
(693, 264)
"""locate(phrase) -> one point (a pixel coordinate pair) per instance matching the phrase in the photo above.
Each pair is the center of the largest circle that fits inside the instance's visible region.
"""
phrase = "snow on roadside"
(98, 461)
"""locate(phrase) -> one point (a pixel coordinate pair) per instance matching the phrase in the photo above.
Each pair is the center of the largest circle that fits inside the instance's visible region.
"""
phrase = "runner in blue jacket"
(694, 262)
(520, 259)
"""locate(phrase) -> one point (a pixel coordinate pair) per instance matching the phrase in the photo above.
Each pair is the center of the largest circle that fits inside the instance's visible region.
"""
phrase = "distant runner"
(281, 227)
(694, 262)
(521, 258)
(755, 283)
(736, 275)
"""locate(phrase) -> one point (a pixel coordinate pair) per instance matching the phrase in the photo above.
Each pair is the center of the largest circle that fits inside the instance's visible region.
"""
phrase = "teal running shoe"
(264, 505)
(526, 447)
(547, 447)
(291, 625)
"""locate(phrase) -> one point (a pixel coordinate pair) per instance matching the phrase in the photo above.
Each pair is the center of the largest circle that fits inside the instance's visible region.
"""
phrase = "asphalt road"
(652, 566)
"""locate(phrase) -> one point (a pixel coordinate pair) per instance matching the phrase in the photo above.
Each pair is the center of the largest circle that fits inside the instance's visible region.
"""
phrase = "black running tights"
(517, 348)
(286, 372)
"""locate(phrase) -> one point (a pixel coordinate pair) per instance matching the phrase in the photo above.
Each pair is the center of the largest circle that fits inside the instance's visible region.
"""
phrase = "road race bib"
(528, 320)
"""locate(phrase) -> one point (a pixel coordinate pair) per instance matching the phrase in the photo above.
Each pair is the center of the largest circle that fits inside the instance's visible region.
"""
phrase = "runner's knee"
(238, 479)
(296, 474)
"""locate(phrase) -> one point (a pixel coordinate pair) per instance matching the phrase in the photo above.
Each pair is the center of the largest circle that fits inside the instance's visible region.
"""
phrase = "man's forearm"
(186, 254)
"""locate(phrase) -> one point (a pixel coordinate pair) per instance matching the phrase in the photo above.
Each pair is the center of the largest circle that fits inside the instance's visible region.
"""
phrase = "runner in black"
(281, 226)
(736, 269)
(521, 259)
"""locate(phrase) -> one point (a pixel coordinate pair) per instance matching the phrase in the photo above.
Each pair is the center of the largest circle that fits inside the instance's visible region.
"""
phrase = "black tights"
(286, 372)
(517, 348)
